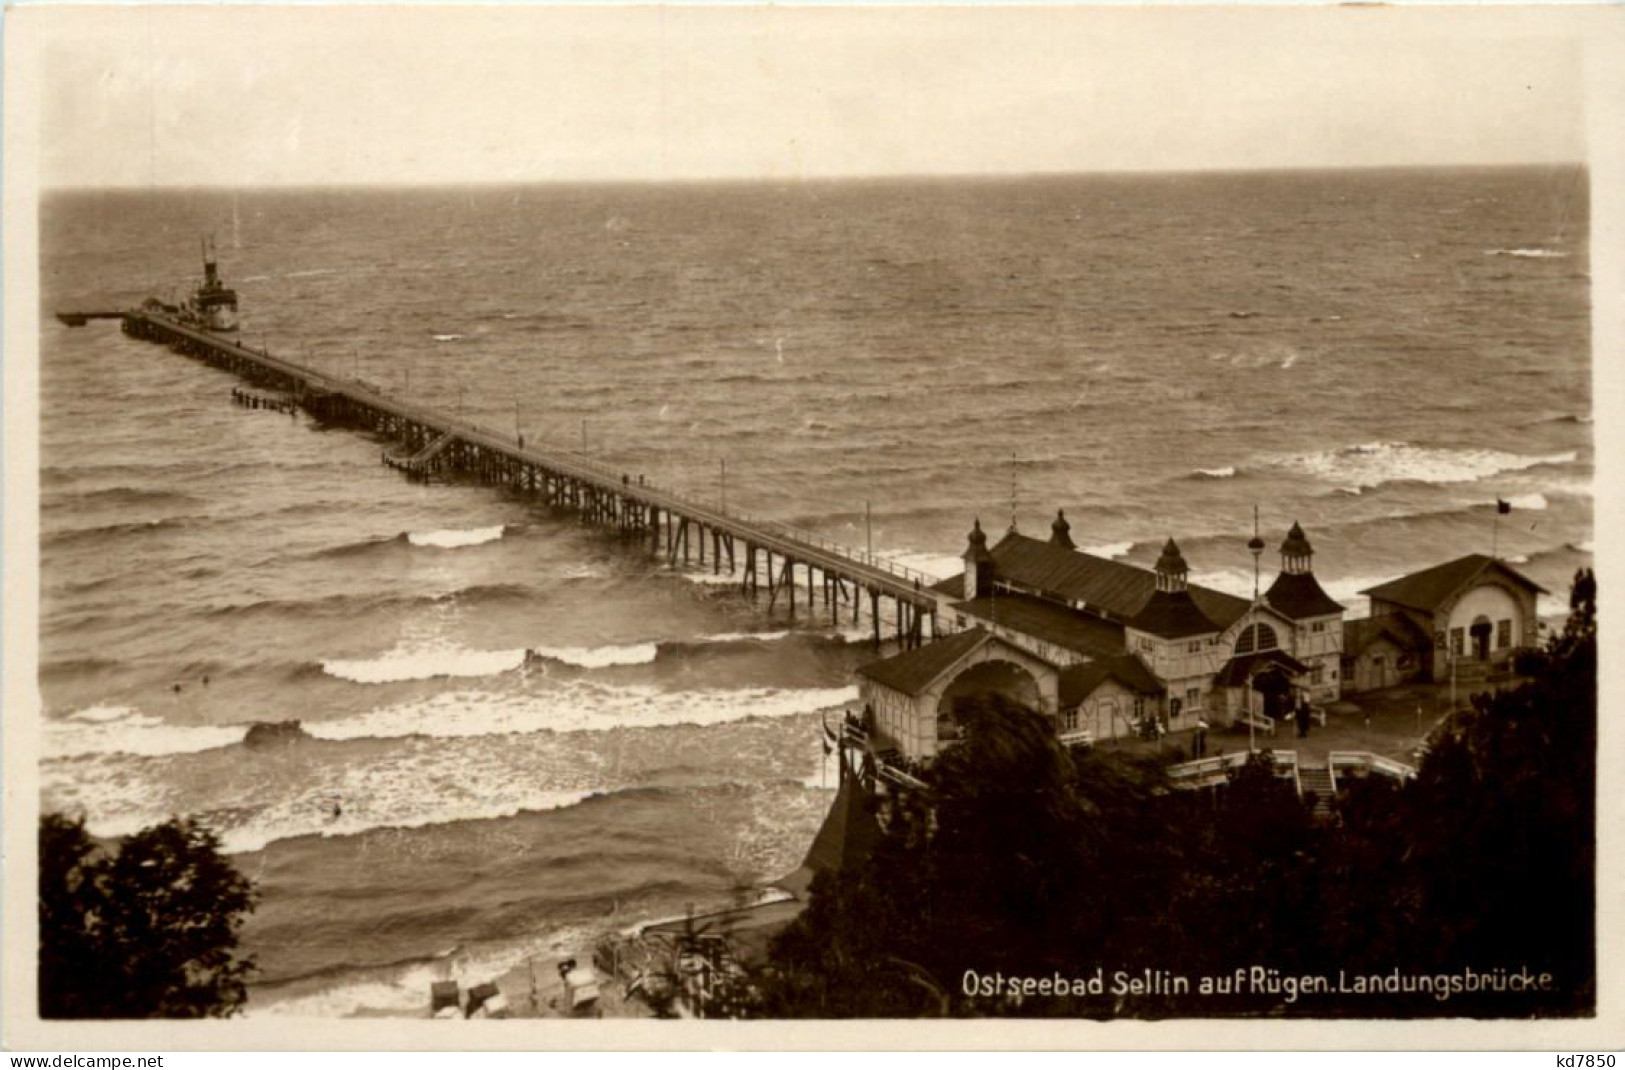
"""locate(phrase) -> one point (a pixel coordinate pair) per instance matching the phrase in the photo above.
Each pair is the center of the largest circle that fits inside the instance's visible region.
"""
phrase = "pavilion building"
(1105, 647)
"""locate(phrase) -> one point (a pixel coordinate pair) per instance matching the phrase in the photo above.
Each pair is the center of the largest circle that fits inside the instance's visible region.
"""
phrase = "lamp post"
(1252, 674)
(1255, 546)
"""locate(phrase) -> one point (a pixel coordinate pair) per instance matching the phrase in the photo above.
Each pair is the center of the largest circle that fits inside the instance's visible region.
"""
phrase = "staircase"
(417, 465)
(1317, 779)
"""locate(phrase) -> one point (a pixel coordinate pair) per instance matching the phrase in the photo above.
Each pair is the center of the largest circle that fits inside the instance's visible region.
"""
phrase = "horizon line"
(855, 177)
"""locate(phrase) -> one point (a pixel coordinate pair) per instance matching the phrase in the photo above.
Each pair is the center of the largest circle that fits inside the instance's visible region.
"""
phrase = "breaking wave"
(425, 663)
(453, 538)
(1227, 472)
(578, 706)
(1364, 467)
(125, 730)
(1530, 253)
(599, 657)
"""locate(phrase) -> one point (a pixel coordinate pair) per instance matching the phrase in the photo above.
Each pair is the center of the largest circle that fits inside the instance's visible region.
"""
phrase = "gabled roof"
(1237, 670)
(1172, 615)
(1048, 621)
(914, 670)
(1078, 682)
(1115, 586)
(1360, 634)
(1432, 587)
(1299, 595)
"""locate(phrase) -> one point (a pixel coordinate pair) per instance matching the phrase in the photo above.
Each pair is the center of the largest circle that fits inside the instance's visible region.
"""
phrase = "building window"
(1458, 639)
(1503, 634)
(1174, 706)
(1317, 674)
(1139, 707)
(1254, 637)
(1193, 697)
(1318, 626)
(1069, 719)
(1193, 647)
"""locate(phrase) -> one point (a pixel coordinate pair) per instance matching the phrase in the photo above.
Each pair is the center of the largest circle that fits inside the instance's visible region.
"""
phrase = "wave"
(1527, 501)
(373, 800)
(1354, 469)
(432, 662)
(448, 337)
(932, 564)
(347, 605)
(127, 497)
(355, 549)
(1531, 253)
(1110, 549)
(748, 637)
(1226, 472)
(72, 668)
(578, 706)
(424, 663)
(452, 538)
(710, 579)
(600, 656)
(397, 989)
(110, 730)
(76, 536)
(311, 273)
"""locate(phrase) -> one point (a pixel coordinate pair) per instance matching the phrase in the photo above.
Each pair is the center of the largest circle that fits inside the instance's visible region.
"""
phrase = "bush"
(148, 931)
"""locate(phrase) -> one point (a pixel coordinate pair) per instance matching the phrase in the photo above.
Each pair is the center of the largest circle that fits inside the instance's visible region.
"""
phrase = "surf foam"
(578, 706)
(600, 656)
(1373, 464)
(105, 730)
(424, 663)
(452, 538)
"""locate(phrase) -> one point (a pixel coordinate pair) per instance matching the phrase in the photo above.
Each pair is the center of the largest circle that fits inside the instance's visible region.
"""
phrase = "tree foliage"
(1024, 861)
(147, 931)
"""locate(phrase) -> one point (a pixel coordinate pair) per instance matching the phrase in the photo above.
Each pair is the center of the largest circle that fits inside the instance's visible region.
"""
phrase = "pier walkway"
(764, 553)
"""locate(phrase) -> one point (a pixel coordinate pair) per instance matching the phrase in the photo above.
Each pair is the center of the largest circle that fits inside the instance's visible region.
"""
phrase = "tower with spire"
(1171, 612)
(1296, 593)
(978, 563)
(1316, 618)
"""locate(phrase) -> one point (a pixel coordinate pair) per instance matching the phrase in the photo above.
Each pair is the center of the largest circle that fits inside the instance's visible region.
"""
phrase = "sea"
(524, 733)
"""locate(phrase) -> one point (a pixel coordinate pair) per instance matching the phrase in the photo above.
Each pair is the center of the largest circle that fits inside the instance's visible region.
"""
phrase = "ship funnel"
(211, 271)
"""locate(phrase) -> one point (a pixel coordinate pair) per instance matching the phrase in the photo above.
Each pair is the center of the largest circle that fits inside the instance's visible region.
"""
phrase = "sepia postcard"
(811, 526)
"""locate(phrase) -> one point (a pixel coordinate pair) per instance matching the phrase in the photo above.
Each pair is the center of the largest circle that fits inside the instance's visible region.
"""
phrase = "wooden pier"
(764, 553)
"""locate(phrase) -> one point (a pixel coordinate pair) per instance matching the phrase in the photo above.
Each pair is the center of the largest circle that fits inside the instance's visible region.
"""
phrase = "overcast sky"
(221, 96)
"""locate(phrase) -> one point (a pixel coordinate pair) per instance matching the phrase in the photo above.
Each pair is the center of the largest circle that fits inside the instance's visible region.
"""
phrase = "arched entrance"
(1276, 689)
(993, 677)
(1481, 631)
